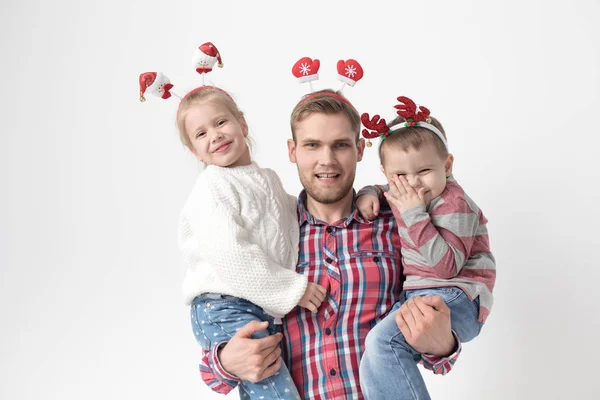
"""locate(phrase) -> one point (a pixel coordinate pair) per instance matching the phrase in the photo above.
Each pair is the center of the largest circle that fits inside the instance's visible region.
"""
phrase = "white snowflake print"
(304, 69)
(350, 71)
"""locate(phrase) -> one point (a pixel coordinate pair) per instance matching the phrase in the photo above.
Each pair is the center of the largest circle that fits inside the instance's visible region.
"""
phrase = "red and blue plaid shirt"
(358, 262)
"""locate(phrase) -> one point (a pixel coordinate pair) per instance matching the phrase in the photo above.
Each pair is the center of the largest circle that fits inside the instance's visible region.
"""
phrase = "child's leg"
(388, 367)
(216, 318)
(464, 313)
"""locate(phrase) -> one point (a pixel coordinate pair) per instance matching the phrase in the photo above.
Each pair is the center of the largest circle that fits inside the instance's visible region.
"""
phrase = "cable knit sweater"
(239, 233)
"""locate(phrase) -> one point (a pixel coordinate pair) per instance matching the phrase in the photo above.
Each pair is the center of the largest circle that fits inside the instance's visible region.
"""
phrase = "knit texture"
(239, 233)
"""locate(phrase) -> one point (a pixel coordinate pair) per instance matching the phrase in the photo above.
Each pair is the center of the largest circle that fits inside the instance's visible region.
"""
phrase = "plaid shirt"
(358, 262)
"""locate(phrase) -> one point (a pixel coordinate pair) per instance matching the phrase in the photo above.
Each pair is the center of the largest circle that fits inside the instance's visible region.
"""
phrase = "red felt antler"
(408, 110)
(376, 124)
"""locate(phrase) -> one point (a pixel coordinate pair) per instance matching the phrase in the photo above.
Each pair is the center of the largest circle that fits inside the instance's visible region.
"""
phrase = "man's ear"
(360, 146)
(449, 164)
(291, 150)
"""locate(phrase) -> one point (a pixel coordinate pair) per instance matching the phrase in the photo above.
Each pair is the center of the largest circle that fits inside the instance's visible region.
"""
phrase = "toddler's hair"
(204, 95)
(322, 102)
(413, 137)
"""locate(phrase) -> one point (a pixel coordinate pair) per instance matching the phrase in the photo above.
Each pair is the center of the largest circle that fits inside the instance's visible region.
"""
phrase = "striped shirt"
(358, 262)
(447, 244)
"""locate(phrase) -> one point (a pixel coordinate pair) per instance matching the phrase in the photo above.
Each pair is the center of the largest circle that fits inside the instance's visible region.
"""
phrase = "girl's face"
(423, 168)
(217, 135)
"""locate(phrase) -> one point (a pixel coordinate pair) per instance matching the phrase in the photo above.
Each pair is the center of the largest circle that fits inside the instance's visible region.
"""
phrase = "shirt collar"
(306, 217)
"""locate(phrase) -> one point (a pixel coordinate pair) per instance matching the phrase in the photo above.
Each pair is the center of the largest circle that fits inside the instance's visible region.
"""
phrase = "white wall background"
(92, 180)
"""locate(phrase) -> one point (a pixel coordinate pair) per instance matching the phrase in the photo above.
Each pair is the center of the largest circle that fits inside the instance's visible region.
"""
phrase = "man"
(356, 260)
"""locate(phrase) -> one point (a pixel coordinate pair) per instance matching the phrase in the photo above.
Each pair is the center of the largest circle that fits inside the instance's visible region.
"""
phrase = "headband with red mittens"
(413, 115)
(307, 70)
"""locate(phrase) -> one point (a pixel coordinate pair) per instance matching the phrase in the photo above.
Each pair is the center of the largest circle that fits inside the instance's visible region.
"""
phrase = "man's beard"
(331, 196)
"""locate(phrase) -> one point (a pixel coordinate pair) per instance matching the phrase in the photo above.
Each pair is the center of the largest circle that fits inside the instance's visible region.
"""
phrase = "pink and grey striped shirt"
(358, 261)
(447, 244)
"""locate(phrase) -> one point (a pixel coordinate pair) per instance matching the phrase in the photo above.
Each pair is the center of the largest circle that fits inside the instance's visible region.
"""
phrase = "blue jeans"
(216, 318)
(388, 368)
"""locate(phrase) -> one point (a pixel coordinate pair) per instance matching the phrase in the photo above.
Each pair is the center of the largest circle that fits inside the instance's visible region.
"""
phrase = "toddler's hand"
(404, 196)
(313, 296)
(368, 205)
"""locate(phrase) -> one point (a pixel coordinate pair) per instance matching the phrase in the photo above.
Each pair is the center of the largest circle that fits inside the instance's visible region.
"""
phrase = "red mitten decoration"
(306, 69)
(349, 71)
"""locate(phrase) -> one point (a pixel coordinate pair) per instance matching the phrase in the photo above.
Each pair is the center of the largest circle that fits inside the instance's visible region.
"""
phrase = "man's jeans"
(216, 318)
(388, 368)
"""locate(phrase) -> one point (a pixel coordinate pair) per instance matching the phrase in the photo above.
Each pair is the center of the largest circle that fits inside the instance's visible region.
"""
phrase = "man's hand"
(368, 206)
(313, 296)
(425, 324)
(404, 196)
(251, 359)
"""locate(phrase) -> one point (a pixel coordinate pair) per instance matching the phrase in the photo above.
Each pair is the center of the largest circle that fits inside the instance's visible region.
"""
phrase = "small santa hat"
(147, 79)
(210, 50)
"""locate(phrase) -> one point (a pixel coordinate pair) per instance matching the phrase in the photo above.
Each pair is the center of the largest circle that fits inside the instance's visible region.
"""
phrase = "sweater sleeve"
(375, 190)
(443, 239)
(213, 233)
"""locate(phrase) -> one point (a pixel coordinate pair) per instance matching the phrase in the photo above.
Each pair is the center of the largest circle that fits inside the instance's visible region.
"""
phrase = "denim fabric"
(388, 368)
(216, 318)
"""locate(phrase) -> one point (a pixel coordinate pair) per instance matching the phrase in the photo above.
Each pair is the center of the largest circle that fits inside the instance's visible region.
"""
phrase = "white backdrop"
(93, 180)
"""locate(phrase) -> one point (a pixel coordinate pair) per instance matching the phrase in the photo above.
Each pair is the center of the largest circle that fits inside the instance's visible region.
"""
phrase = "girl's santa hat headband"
(413, 115)
(205, 57)
(307, 70)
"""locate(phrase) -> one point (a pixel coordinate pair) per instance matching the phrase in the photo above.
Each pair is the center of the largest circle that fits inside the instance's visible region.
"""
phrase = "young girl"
(239, 233)
(445, 247)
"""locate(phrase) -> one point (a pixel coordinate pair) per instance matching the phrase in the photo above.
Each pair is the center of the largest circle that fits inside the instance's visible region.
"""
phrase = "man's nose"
(327, 156)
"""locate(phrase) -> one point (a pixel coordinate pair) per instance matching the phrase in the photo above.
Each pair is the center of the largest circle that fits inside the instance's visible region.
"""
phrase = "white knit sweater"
(239, 233)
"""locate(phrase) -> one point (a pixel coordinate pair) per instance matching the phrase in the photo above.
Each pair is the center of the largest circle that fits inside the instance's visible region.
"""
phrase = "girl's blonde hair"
(202, 95)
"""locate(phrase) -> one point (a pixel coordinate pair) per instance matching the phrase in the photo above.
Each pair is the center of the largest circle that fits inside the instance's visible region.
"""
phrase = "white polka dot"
(202, 321)
(249, 310)
(272, 383)
(265, 387)
(287, 390)
(252, 391)
(216, 334)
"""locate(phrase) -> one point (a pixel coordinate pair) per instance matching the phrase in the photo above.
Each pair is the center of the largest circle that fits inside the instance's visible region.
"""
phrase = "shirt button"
(327, 331)
(328, 260)
(332, 372)
(376, 259)
(330, 230)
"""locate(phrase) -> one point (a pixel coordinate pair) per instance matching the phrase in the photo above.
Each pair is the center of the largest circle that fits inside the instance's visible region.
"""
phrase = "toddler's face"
(423, 168)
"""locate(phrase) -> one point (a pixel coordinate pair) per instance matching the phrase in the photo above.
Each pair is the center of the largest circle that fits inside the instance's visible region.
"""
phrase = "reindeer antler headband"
(205, 57)
(414, 116)
(307, 70)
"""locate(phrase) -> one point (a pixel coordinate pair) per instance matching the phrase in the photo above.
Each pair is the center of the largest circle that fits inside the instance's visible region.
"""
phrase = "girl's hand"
(368, 206)
(404, 196)
(313, 297)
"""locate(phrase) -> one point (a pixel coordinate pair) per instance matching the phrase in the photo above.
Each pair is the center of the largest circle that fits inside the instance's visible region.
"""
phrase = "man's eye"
(310, 145)
(424, 171)
(200, 134)
(221, 122)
